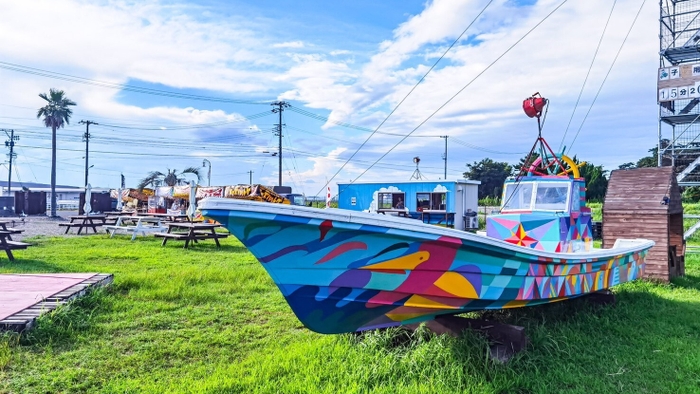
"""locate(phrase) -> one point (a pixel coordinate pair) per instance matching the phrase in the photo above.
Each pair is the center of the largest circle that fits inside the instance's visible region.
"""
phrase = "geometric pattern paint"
(357, 273)
(565, 231)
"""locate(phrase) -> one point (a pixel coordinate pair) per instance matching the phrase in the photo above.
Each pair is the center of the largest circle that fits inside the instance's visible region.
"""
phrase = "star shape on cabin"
(519, 237)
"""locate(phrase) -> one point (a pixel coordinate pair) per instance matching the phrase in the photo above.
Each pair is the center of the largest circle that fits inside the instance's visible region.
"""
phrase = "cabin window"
(518, 196)
(575, 200)
(422, 201)
(431, 201)
(552, 196)
(391, 200)
(438, 201)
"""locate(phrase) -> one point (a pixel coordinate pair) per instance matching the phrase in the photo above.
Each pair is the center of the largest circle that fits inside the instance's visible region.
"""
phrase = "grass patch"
(211, 321)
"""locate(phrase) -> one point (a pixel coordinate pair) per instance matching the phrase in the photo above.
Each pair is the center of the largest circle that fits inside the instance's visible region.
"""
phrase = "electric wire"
(580, 93)
(472, 146)
(607, 74)
(460, 91)
(121, 86)
(396, 107)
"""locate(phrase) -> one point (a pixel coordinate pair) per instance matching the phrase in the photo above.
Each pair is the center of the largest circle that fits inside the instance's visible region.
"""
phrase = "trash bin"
(7, 206)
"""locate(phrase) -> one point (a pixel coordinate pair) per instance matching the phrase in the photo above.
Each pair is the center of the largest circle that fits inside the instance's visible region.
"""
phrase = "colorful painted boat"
(343, 271)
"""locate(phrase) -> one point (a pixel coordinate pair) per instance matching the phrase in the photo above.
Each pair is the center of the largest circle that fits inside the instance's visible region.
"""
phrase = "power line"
(120, 86)
(396, 107)
(580, 93)
(459, 91)
(607, 74)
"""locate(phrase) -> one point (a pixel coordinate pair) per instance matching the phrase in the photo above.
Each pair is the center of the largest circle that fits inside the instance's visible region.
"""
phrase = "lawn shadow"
(687, 281)
(213, 248)
(23, 266)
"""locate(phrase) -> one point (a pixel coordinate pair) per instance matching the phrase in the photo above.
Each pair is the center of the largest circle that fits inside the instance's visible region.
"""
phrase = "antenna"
(417, 174)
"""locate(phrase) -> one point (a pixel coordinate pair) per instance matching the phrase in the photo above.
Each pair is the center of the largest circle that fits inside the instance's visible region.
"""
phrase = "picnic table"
(3, 227)
(172, 217)
(112, 216)
(191, 232)
(136, 224)
(8, 245)
(84, 222)
(118, 213)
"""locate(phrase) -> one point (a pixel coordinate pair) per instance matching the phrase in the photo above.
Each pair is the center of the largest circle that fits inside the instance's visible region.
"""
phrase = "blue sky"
(350, 62)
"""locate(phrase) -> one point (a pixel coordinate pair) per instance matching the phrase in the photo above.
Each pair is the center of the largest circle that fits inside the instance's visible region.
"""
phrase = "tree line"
(492, 174)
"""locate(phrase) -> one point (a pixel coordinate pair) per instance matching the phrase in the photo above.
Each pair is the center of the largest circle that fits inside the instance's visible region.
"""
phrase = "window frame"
(532, 207)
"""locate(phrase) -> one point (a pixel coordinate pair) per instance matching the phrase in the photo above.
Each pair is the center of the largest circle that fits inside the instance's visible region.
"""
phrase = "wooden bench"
(70, 225)
(197, 235)
(84, 222)
(80, 226)
(12, 231)
(9, 246)
(194, 232)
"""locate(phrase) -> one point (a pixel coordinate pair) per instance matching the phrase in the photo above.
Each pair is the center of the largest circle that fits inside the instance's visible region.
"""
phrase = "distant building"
(67, 197)
(428, 200)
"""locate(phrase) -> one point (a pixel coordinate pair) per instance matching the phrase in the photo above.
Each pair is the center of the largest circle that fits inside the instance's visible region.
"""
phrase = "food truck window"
(384, 200)
(398, 200)
(422, 201)
(438, 201)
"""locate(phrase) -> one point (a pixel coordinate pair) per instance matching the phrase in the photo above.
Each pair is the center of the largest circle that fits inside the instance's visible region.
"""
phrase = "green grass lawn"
(212, 321)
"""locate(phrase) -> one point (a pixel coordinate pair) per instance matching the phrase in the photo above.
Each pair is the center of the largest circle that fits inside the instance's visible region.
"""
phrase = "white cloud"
(291, 44)
(189, 46)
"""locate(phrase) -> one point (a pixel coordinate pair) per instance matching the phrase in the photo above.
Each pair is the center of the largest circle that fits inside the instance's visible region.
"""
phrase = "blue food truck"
(449, 203)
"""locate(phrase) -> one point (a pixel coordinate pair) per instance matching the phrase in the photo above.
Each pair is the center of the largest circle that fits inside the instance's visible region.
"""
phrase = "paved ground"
(40, 225)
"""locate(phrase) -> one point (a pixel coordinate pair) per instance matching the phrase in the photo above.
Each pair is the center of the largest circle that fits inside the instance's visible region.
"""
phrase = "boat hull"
(343, 271)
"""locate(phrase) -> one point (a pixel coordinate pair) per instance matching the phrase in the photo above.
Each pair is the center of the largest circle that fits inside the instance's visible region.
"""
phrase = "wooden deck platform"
(24, 297)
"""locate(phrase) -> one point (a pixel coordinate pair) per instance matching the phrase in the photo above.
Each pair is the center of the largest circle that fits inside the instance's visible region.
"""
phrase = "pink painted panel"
(20, 291)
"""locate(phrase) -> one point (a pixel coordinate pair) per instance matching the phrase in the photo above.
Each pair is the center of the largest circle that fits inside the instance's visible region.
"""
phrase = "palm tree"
(171, 178)
(56, 114)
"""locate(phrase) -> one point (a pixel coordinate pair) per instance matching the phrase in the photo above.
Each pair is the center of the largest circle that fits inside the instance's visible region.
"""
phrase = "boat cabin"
(546, 213)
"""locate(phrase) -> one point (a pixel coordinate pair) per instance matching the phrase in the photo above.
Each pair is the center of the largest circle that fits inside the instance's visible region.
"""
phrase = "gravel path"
(40, 225)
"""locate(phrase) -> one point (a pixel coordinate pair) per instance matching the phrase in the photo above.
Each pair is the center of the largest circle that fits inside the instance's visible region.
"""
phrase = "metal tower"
(679, 88)
(417, 174)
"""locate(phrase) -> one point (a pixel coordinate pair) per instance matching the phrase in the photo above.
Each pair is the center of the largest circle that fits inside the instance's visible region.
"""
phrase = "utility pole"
(281, 105)
(444, 157)
(11, 144)
(86, 137)
(204, 163)
(251, 176)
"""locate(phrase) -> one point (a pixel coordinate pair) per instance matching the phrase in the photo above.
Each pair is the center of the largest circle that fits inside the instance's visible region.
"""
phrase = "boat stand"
(602, 297)
(505, 340)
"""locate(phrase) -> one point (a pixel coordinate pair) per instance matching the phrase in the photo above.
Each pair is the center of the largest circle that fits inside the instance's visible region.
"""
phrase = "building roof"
(458, 181)
(17, 185)
(642, 190)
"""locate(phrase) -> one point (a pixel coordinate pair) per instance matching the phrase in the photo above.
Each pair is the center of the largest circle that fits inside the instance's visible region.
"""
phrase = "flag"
(123, 182)
(328, 197)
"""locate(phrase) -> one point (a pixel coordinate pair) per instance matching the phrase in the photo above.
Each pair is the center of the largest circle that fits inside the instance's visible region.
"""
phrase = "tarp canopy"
(247, 192)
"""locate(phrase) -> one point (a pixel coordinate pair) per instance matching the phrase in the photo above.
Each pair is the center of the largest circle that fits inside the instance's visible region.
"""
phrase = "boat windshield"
(518, 196)
(551, 196)
(536, 196)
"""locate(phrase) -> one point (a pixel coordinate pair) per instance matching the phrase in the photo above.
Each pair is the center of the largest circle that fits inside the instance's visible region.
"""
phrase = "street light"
(206, 162)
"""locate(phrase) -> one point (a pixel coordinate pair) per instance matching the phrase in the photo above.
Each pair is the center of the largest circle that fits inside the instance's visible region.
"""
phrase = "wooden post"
(505, 339)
